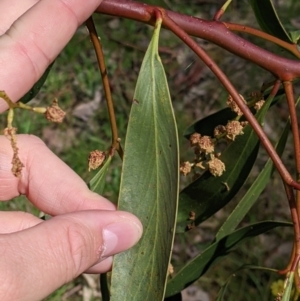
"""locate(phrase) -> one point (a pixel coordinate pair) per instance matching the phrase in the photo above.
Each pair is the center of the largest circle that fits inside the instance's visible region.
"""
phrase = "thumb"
(36, 261)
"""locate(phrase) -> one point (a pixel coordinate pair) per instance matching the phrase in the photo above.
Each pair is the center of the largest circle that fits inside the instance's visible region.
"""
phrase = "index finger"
(48, 182)
(12, 10)
(34, 41)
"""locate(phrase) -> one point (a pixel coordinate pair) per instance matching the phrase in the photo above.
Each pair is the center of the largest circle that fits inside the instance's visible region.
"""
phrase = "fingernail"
(119, 237)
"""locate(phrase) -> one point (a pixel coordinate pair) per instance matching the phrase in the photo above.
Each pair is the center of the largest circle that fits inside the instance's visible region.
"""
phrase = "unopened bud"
(233, 129)
(54, 113)
(185, 168)
(96, 158)
(216, 167)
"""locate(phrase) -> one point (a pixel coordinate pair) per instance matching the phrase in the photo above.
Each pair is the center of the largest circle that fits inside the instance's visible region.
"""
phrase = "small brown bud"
(192, 216)
(206, 145)
(216, 167)
(96, 158)
(185, 168)
(233, 129)
(54, 113)
(233, 105)
(244, 123)
(170, 269)
(258, 105)
(219, 130)
(194, 139)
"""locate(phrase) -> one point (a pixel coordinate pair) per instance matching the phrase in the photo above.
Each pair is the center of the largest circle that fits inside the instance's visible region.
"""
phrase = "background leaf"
(268, 19)
(149, 185)
(176, 297)
(97, 183)
(288, 287)
(208, 194)
(223, 289)
(214, 253)
(295, 36)
(206, 125)
(254, 191)
(37, 86)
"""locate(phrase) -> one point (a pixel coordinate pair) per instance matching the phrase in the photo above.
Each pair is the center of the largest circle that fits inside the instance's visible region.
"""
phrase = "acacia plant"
(150, 173)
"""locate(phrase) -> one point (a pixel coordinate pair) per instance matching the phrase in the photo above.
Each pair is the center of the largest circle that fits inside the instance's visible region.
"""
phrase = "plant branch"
(232, 91)
(296, 252)
(288, 87)
(221, 11)
(110, 106)
(213, 31)
(255, 32)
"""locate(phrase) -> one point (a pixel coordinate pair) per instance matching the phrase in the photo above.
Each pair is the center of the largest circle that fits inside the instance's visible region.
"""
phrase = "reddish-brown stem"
(288, 267)
(214, 31)
(231, 90)
(288, 87)
(255, 32)
(218, 15)
(296, 252)
(110, 106)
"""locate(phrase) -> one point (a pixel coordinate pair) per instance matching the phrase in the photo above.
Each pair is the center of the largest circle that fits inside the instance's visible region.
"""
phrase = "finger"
(102, 267)
(13, 9)
(58, 250)
(35, 39)
(48, 182)
(16, 221)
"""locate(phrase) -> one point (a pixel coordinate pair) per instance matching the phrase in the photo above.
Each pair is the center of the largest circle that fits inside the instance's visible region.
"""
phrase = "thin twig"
(110, 106)
(255, 32)
(294, 214)
(288, 87)
(221, 11)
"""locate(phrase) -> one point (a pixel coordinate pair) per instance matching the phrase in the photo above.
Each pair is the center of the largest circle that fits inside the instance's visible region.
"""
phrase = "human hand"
(38, 256)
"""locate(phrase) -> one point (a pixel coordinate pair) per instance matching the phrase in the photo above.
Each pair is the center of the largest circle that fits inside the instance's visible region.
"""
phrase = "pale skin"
(37, 257)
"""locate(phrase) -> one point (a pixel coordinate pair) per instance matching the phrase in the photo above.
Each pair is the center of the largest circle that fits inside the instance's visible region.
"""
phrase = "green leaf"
(288, 284)
(36, 87)
(176, 297)
(254, 191)
(149, 184)
(295, 36)
(214, 253)
(206, 125)
(208, 194)
(223, 289)
(268, 19)
(97, 183)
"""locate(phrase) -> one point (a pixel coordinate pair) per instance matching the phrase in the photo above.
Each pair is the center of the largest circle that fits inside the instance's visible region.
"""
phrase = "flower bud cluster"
(53, 113)
(204, 148)
(233, 105)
